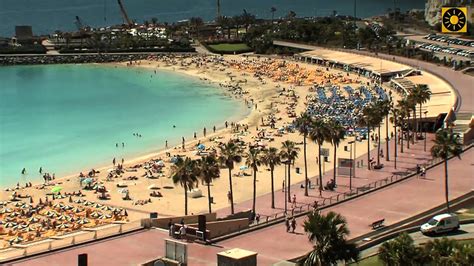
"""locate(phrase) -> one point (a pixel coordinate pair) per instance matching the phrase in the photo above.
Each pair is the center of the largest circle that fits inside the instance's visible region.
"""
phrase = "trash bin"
(211, 199)
(297, 170)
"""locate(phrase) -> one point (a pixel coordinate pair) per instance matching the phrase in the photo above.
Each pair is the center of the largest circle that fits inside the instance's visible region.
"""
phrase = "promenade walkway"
(273, 244)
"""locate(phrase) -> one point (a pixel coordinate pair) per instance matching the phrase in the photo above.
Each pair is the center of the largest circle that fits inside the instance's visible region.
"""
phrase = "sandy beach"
(282, 96)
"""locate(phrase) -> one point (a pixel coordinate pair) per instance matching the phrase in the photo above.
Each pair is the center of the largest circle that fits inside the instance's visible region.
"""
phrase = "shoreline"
(144, 156)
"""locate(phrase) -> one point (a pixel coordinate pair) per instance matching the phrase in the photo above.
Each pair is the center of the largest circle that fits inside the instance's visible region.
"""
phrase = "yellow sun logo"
(454, 19)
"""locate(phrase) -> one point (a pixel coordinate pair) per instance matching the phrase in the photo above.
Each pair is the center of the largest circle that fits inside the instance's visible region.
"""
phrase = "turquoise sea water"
(68, 118)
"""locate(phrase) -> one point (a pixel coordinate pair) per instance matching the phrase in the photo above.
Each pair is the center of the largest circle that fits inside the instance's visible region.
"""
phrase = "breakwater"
(10, 60)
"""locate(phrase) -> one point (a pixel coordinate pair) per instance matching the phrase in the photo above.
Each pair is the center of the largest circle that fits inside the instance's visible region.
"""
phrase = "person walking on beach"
(113, 161)
(204, 132)
(195, 135)
(293, 225)
(166, 144)
(41, 170)
(293, 203)
(226, 124)
(214, 129)
(123, 144)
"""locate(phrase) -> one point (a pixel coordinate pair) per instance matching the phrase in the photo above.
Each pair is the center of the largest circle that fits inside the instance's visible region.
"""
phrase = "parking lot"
(458, 48)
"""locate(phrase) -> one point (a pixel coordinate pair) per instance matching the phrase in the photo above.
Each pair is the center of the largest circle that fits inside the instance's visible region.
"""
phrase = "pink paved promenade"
(273, 244)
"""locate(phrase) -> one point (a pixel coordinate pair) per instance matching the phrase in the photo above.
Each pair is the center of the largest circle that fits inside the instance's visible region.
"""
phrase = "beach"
(279, 97)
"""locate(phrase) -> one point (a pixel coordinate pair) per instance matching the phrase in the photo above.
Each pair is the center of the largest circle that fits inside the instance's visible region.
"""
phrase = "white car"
(445, 222)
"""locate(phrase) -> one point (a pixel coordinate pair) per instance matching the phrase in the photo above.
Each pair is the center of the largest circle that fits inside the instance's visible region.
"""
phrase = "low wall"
(220, 228)
(163, 222)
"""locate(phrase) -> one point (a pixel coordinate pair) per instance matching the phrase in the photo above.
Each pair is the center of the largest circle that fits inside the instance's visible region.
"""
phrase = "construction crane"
(124, 13)
(79, 24)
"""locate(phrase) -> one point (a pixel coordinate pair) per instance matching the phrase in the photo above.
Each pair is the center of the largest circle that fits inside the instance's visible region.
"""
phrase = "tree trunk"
(387, 138)
(378, 146)
(320, 171)
(231, 192)
(415, 126)
(396, 145)
(446, 186)
(185, 201)
(368, 148)
(420, 119)
(209, 196)
(254, 190)
(273, 190)
(335, 163)
(289, 181)
(305, 167)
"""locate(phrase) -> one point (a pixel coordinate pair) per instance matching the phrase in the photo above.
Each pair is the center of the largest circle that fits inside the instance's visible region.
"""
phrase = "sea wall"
(9, 60)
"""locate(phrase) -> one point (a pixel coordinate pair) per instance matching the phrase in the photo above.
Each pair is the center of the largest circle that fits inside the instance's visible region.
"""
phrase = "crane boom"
(124, 13)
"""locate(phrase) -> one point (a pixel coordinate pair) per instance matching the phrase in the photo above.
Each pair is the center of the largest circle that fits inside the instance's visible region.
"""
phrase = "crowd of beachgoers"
(275, 90)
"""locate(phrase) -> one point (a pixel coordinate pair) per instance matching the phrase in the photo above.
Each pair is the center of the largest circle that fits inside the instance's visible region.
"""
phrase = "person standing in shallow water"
(23, 171)
(204, 132)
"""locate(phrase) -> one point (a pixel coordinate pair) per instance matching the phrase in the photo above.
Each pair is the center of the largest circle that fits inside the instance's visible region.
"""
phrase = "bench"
(377, 224)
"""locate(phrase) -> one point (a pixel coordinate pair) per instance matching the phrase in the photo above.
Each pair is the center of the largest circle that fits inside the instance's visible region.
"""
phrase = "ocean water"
(68, 118)
(47, 16)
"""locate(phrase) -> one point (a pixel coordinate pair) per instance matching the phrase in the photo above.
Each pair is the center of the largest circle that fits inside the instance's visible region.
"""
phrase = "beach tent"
(201, 147)
(56, 189)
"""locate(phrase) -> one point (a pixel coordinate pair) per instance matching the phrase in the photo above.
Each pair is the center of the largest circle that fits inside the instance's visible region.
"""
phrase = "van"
(446, 222)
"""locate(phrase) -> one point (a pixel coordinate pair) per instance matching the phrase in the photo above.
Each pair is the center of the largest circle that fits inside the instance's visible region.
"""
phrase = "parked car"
(445, 222)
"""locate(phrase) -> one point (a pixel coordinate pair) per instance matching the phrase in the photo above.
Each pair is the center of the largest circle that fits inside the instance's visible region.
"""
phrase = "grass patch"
(465, 214)
(369, 261)
(229, 47)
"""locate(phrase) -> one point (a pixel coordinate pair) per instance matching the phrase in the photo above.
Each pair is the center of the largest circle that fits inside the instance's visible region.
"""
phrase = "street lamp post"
(351, 164)
(284, 190)
(424, 127)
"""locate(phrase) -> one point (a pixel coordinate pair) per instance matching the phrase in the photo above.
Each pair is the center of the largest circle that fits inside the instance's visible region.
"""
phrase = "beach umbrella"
(56, 189)
(201, 147)
(244, 167)
(2, 203)
(9, 224)
(123, 190)
(19, 227)
(88, 180)
(174, 159)
(52, 215)
(59, 196)
(13, 214)
(67, 207)
(18, 204)
(83, 221)
(97, 205)
(96, 214)
(5, 210)
(62, 218)
(79, 201)
(33, 220)
(62, 226)
(28, 229)
(15, 240)
(59, 205)
(26, 206)
(105, 216)
(88, 203)
(77, 210)
(153, 186)
(70, 219)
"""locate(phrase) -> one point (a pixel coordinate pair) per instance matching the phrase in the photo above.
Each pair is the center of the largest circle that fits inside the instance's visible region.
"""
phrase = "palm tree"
(254, 161)
(185, 172)
(289, 152)
(368, 119)
(411, 101)
(303, 124)
(336, 134)
(394, 119)
(400, 251)
(405, 110)
(319, 134)
(209, 170)
(382, 108)
(271, 158)
(421, 94)
(328, 235)
(230, 154)
(446, 144)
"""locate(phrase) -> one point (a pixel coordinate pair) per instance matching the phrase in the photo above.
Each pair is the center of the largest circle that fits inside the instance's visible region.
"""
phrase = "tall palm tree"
(411, 101)
(289, 152)
(230, 154)
(336, 135)
(394, 119)
(400, 251)
(446, 144)
(303, 124)
(185, 172)
(271, 158)
(328, 235)
(208, 171)
(368, 119)
(405, 110)
(421, 94)
(319, 134)
(382, 108)
(254, 160)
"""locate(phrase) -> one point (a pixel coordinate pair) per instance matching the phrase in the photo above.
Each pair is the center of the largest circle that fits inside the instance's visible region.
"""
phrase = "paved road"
(466, 232)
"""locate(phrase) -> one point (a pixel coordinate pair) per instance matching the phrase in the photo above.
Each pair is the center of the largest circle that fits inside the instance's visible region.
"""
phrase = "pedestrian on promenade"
(287, 223)
(423, 172)
(283, 186)
(293, 225)
(294, 201)
(229, 196)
